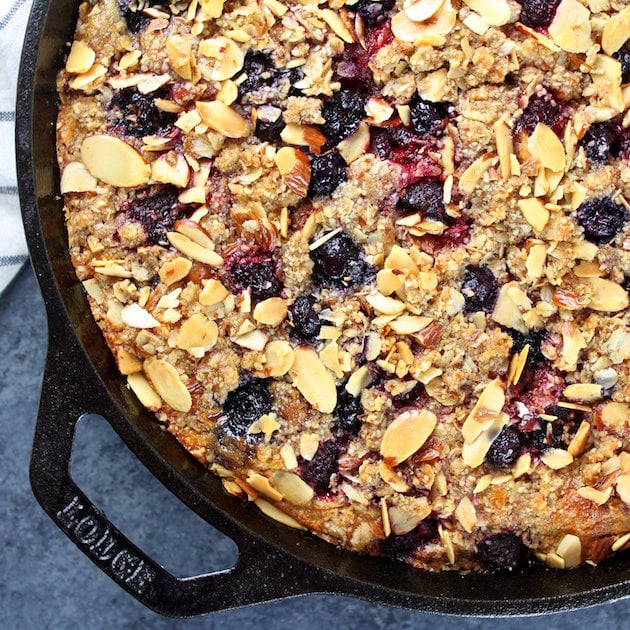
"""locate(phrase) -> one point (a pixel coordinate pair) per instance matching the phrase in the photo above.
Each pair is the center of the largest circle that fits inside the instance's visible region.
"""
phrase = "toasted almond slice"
(599, 497)
(385, 305)
(421, 10)
(314, 381)
(197, 332)
(115, 162)
(400, 260)
(392, 478)
(535, 212)
(580, 439)
(536, 259)
(359, 380)
(388, 281)
(623, 488)
(270, 510)
(522, 465)
(138, 317)
(621, 542)
(556, 458)
(211, 8)
(303, 135)
(179, 54)
(571, 27)
(547, 148)
(292, 488)
(406, 434)
(213, 293)
(511, 303)
(174, 270)
(466, 514)
(168, 384)
(171, 168)
(570, 550)
(279, 357)
(330, 358)
(404, 521)
(614, 415)
(261, 484)
(505, 147)
(355, 145)
(616, 31)
(474, 453)
(228, 54)
(253, 340)
(81, 57)
(409, 324)
(271, 312)
(288, 456)
(194, 250)
(485, 411)
(473, 174)
(76, 178)
(222, 118)
(295, 168)
(430, 31)
(607, 296)
(494, 12)
(337, 25)
(583, 392)
(143, 390)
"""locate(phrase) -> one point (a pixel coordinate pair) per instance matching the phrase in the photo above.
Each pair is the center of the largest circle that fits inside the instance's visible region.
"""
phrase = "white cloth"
(13, 252)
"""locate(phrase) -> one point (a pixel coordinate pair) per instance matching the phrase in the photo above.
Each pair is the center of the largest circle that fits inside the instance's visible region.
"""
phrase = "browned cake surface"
(370, 261)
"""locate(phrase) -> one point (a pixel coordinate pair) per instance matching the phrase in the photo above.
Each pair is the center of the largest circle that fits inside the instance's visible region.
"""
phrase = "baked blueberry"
(542, 107)
(327, 172)
(401, 547)
(396, 144)
(131, 11)
(347, 412)
(136, 114)
(306, 323)
(504, 551)
(538, 14)
(322, 467)
(480, 289)
(505, 449)
(533, 339)
(246, 404)
(428, 118)
(256, 270)
(623, 56)
(602, 142)
(156, 209)
(342, 113)
(601, 218)
(425, 197)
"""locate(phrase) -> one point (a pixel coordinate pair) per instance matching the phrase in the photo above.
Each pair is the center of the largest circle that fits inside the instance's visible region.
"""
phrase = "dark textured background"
(45, 582)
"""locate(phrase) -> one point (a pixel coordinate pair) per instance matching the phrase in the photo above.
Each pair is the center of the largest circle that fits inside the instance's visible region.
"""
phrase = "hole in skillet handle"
(62, 405)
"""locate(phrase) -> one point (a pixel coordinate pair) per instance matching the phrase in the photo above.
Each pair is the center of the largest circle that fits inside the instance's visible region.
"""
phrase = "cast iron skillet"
(80, 377)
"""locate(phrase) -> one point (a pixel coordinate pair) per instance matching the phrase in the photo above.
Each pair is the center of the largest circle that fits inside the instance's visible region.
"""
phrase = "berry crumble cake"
(369, 260)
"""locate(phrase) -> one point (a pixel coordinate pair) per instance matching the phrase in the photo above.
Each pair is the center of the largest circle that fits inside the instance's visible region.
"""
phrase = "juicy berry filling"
(400, 547)
(543, 107)
(131, 12)
(534, 339)
(353, 70)
(137, 115)
(538, 13)
(342, 113)
(246, 404)
(602, 142)
(306, 323)
(256, 270)
(340, 263)
(602, 219)
(347, 412)
(425, 197)
(327, 172)
(480, 289)
(623, 56)
(428, 118)
(319, 470)
(503, 551)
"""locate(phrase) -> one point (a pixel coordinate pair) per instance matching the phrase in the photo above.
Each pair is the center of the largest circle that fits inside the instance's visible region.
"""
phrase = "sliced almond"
(171, 168)
(358, 381)
(211, 8)
(473, 174)
(314, 381)
(213, 292)
(295, 168)
(474, 453)
(271, 312)
(303, 135)
(570, 550)
(623, 488)
(392, 478)
(279, 357)
(556, 458)
(261, 484)
(578, 444)
(385, 305)
(535, 212)
(179, 55)
(292, 488)
(270, 510)
(388, 281)
(607, 296)
(193, 250)
(228, 55)
(143, 390)
(400, 260)
(421, 10)
(288, 456)
(494, 12)
(355, 145)
(616, 31)
(485, 411)
(583, 392)
(536, 259)
(511, 303)
(599, 497)
(429, 31)
(335, 22)
(614, 415)
(403, 521)
(222, 118)
(197, 333)
(115, 162)
(409, 324)
(406, 434)
(76, 178)
(547, 148)
(466, 514)
(81, 57)
(174, 270)
(168, 384)
(252, 340)
(571, 27)
(505, 147)
(137, 317)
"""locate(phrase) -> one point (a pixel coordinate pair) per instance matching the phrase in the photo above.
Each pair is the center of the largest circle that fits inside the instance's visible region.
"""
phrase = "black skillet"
(81, 377)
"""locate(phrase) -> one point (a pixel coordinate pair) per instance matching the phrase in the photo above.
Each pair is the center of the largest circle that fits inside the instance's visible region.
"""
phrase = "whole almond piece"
(406, 434)
(313, 379)
(114, 162)
(168, 384)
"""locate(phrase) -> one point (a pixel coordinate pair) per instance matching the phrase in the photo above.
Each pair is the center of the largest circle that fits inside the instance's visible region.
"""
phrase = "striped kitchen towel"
(13, 252)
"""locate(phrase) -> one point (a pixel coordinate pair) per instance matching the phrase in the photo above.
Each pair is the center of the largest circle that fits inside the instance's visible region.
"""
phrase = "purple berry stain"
(623, 56)
(601, 218)
(501, 552)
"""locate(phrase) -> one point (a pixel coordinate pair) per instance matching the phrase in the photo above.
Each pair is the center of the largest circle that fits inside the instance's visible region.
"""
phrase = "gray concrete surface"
(45, 582)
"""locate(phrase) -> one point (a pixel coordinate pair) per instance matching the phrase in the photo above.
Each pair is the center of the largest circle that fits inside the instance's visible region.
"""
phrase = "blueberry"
(256, 270)
(373, 13)
(428, 118)
(156, 209)
(626, 283)
(263, 82)
(538, 13)
(480, 289)
(623, 56)
(319, 470)
(246, 404)
(542, 107)
(327, 172)
(534, 339)
(396, 144)
(306, 323)
(601, 218)
(269, 124)
(408, 398)
(340, 263)
(602, 142)
(131, 11)
(401, 547)
(347, 412)
(504, 551)
(426, 197)
(342, 113)
(136, 114)
(505, 449)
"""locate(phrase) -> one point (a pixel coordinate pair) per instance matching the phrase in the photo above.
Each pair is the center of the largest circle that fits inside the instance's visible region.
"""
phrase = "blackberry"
(623, 56)
(263, 82)
(156, 209)
(534, 338)
(501, 552)
(136, 114)
(602, 142)
(327, 172)
(256, 270)
(319, 470)
(347, 412)
(401, 547)
(246, 404)
(306, 323)
(543, 107)
(626, 283)
(373, 13)
(340, 263)
(342, 113)
(426, 197)
(428, 118)
(269, 124)
(505, 449)
(131, 11)
(601, 218)
(480, 289)
(538, 14)
(396, 144)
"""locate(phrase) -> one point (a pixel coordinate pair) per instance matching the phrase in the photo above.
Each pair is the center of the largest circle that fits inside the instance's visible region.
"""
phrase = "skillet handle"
(87, 527)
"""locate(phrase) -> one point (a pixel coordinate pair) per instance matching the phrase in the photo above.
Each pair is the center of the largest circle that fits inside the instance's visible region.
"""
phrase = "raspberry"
(428, 118)
(137, 115)
(306, 323)
(602, 142)
(246, 404)
(340, 263)
(256, 270)
(543, 107)
(505, 449)
(342, 112)
(327, 172)
(538, 14)
(503, 551)
(480, 289)
(319, 470)
(425, 197)
(601, 218)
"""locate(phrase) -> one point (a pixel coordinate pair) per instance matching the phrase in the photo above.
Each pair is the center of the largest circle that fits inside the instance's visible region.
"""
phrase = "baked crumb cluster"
(370, 260)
